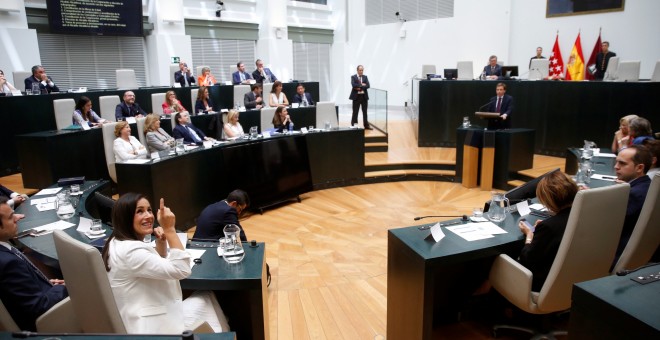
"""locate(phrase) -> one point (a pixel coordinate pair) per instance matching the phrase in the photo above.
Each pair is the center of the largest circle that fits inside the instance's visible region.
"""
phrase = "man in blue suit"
(13, 198)
(301, 97)
(502, 103)
(184, 76)
(128, 108)
(240, 76)
(24, 290)
(263, 74)
(493, 70)
(216, 216)
(184, 129)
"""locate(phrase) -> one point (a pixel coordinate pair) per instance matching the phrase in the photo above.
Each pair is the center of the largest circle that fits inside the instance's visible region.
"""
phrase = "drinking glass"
(233, 252)
(254, 132)
(97, 226)
(327, 126)
(180, 148)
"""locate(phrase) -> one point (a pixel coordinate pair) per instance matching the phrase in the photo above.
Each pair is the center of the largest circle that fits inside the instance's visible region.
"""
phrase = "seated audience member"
(263, 74)
(654, 148)
(172, 104)
(640, 130)
(281, 119)
(493, 70)
(39, 76)
(301, 97)
(556, 192)
(184, 76)
(632, 164)
(539, 55)
(206, 78)
(5, 86)
(145, 280)
(24, 290)
(128, 108)
(277, 97)
(622, 135)
(203, 102)
(83, 114)
(240, 76)
(126, 146)
(186, 130)
(233, 128)
(14, 199)
(253, 99)
(157, 138)
(217, 215)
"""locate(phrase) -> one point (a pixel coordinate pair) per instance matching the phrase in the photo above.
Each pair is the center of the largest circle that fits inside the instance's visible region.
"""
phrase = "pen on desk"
(608, 177)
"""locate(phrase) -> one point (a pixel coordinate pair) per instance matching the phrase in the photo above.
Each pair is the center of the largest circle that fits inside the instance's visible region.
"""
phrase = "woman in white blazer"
(145, 280)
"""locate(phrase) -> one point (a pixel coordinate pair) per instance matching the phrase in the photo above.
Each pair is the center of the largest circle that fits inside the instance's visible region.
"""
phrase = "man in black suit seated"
(493, 70)
(502, 103)
(13, 198)
(128, 108)
(186, 130)
(253, 99)
(184, 76)
(216, 216)
(39, 76)
(301, 97)
(24, 290)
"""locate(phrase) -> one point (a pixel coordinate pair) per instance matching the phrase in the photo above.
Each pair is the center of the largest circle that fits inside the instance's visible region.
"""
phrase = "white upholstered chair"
(325, 112)
(656, 72)
(266, 122)
(239, 93)
(19, 79)
(157, 100)
(628, 70)
(126, 79)
(193, 99)
(108, 106)
(108, 143)
(465, 70)
(59, 318)
(265, 94)
(140, 129)
(611, 73)
(63, 112)
(427, 69)
(173, 68)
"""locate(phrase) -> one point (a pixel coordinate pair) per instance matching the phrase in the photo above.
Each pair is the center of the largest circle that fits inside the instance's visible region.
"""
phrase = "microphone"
(625, 272)
(480, 108)
(464, 217)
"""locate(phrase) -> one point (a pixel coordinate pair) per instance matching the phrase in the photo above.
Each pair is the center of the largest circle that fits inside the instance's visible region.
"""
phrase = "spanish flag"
(576, 62)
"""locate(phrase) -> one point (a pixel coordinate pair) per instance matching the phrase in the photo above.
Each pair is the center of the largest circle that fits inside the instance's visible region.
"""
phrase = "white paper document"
(523, 208)
(437, 233)
(476, 231)
(39, 201)
(603, 177)
(52, 191)
(538, 206)
(59, 225)
(195, 254)
(137, 161)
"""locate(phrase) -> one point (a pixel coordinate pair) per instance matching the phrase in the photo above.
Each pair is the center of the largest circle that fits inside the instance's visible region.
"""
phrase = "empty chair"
(427, 69)
(232, 69)
(126, 79)
(59, 318)
(539, 69)
(193, 99)
(108, 106)
(656, 72)
(239, 93)
(612, 68)
(465, 70)
(628, 70)
(19, 79)
(645, 238)
(173, 68)
(140, 130)
(63, 112)
(585, 253)
(7, 323)
(325, 112)
(267, 119)
(265, 94)
(157, 100)
(108, 143)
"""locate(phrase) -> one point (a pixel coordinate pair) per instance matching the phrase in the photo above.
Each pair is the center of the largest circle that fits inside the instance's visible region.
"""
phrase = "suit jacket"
(44, 88)
(505, 108)
(199, 105)
(123, 110)
(600, 67)
(214, 218)
(639, 187)
(4, 191)
(159, 141)
(496, 72)
(298, 98)
(24, 292)
(181, 78)
(181, 132)
(260, 79)
(356, 85)
(236, 77)
(539, 255)
(250, 100)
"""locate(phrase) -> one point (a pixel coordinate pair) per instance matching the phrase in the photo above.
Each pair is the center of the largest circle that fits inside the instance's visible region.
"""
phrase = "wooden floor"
(328, 254)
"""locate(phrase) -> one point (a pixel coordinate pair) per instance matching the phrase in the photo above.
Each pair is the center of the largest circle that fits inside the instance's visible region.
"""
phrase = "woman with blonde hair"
(126, 146)
(622, 135)
(172, 104)
(233, 128)
(157, 138)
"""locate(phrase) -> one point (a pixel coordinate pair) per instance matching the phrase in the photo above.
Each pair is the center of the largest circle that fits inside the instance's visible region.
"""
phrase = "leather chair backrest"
(7, 323)
(173, 68)
(325, 112)
(266, 119)
(108, 106)
(265, 94)
(19, 79)
(157, 100)
(656, 72)
(108, 143)
(239, 93)
(63, 112)
(126, 79)
(193, 100)
(465, 70)
(141, 131)
(427, 69)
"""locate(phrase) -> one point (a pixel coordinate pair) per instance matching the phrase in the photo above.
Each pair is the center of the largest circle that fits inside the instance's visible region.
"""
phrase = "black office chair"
(101, 207)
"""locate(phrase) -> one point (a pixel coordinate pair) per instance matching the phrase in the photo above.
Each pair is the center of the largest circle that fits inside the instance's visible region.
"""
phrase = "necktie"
(304, 99)
(30, 264)
(194, 134)
(499, 104)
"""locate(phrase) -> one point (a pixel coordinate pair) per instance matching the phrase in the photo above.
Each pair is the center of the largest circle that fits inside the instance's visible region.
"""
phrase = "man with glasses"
(128, 108)
(217, 215)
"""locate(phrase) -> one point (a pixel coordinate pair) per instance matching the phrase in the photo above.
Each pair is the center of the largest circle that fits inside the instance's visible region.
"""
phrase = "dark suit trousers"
(360, 100)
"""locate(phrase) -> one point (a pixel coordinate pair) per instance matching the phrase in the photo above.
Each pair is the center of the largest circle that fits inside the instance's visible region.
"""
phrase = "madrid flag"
(575, 69)
(592, 59)
(556, 62)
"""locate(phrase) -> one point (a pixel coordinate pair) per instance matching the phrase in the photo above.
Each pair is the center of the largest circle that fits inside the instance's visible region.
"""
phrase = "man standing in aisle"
(502, 103)
(602, 60)
(360, 96)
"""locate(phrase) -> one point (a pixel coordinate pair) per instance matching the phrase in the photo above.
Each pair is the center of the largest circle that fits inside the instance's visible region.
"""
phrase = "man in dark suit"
(240, 76)
(253, 99)
(184, 129)
(502, 103)
(13, 198)
(301, 97)
(602, 60)
(39, 76)
(493, 70)
(24, 290)
(263, 74)
(360, 96)
(539, 55)
(128, 108)
(632, 164)
(184, 76)
(217, 215)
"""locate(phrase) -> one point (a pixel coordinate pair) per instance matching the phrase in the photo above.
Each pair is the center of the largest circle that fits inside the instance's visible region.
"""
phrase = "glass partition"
(378, 109)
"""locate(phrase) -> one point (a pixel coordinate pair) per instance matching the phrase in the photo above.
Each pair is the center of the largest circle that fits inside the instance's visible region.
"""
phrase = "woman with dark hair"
(83, 114)
(145, 280)
(556, 192)
(5, 86)
(281, 119)
(277, 97)
(203, 102)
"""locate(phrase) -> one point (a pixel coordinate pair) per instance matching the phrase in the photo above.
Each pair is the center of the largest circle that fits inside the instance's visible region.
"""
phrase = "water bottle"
(290, 126)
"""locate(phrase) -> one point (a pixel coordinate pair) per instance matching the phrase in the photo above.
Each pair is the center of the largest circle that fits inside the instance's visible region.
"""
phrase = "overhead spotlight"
(221, 7)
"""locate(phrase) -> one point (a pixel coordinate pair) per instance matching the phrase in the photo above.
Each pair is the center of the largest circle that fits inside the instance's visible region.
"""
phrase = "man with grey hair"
(39, 76)
(640, 130)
